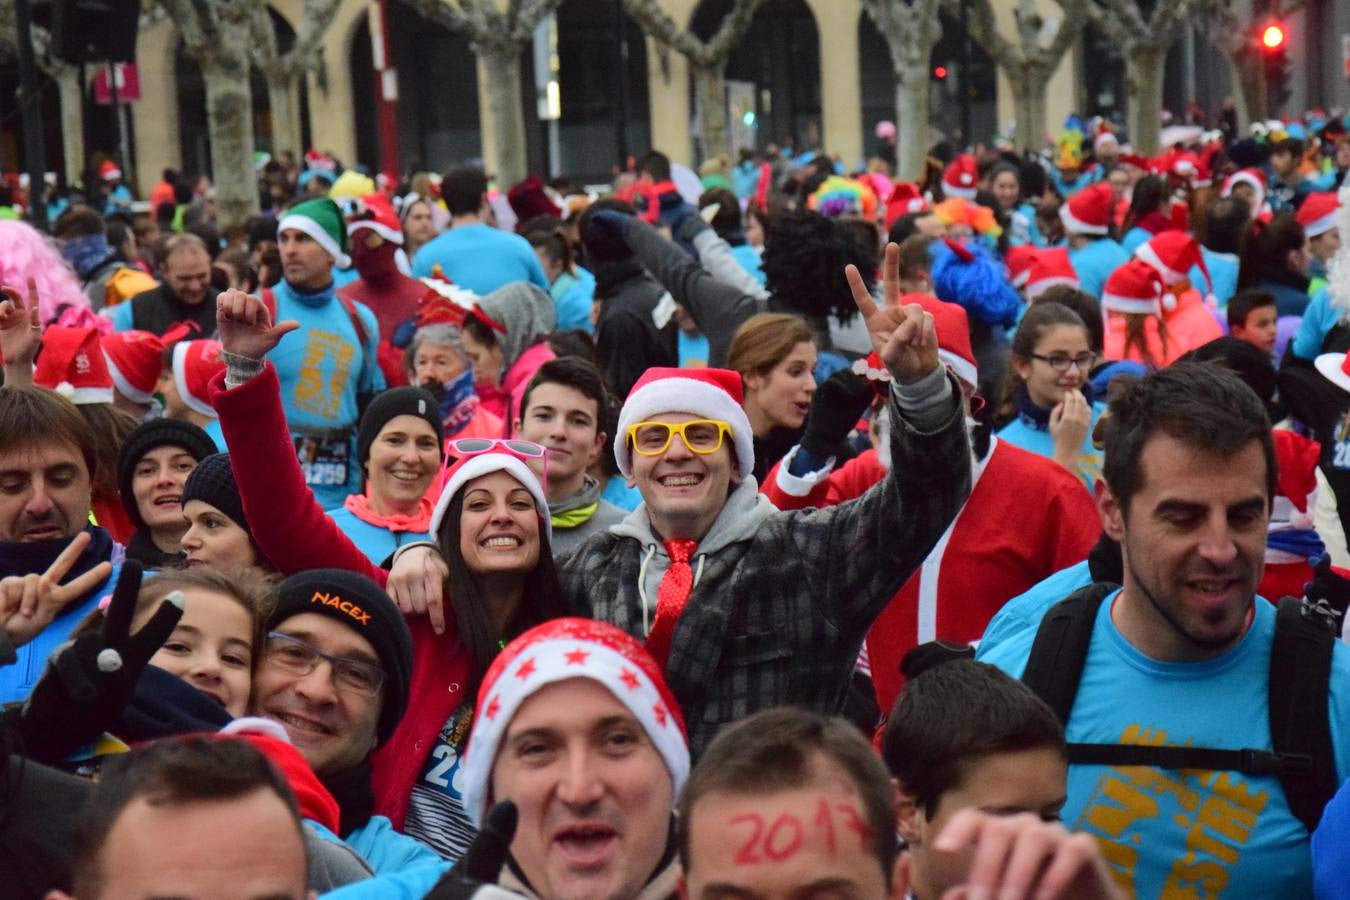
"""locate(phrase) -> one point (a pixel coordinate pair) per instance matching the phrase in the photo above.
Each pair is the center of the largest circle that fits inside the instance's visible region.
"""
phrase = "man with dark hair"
(82, 237)
(46, 468)
(1227, 221)
(154, 823)
(1181, 656)
(470, 252)
(788, 803)
(185, 293)
(653, 168)
(636, 327)
(561, 410)
(964, 735)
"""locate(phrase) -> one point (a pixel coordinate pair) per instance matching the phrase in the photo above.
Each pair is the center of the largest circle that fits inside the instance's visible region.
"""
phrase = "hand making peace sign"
(903, 336)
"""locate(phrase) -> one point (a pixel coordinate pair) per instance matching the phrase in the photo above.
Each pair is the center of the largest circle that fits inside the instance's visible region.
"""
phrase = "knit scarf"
(37, 556)
(359, 506)
(574, 517)
(459, 403)
(86, 254)
(356, 799)
(1038, 417)
(163, 705)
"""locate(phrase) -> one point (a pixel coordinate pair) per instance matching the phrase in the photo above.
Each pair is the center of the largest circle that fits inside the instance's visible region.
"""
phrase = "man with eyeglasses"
(334, 673)
(745, 607)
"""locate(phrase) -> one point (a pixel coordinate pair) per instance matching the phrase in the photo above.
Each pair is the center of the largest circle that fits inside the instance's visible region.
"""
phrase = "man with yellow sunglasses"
(747, 607)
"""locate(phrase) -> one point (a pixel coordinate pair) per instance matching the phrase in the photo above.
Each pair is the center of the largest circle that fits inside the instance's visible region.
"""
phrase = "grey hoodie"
(565, 539)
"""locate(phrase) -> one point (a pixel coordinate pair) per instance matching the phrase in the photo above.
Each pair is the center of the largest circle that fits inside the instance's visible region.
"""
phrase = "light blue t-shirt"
(323, 368)
(1223, 273)
(1028, 608)
(1095, 261)
(1318, 320)
(1023, 432)
(480, 258)
(572, 296)
(375, 541)
(1133, 238)
(1192, 833)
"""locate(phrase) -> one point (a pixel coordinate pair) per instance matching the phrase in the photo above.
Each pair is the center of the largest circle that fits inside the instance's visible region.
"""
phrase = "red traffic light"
(1272, 36)
(940, 72)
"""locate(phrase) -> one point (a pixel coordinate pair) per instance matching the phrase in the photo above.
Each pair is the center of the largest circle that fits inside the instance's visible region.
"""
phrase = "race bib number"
(324, 462)
(443, 768)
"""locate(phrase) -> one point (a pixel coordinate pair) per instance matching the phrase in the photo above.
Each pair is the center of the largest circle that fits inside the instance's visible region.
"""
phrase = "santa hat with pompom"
(1173, 254)
(1254, 178)
(374, 211)
(904, 199)
(72, 364)
(1135, 287)
(195, 363)
(136, 360)
(563, 650)
(1018, 261)
(960, 178)
(710, 393)
(1317, 213)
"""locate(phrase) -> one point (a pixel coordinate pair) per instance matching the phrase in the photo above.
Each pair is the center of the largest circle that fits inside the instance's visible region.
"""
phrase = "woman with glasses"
(491, 524)
(1047, 398)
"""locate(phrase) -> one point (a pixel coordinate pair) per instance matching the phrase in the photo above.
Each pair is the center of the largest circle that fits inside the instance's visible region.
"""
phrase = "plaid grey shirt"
(778, 617)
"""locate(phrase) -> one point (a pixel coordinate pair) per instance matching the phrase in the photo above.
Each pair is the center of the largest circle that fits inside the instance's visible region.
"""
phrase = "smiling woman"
(152, 469)
(776, 358)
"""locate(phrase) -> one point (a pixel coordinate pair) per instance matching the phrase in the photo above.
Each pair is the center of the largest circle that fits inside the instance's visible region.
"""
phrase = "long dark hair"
(1150, 192)
(1040, 318)
(543, 598)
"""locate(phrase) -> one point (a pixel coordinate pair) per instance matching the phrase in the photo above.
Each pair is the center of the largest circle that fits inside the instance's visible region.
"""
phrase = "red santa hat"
(109, 171)
(1049, 267)
(271, 740)
(374, 211)
(1172, 254)
(953, 333)
(562, 650)
(905, 199)
(195, 363)
(1089, 210)
(1317, 214)
(711, 393)
(135, 362)
(1253, 177)
(1135, 287)
(1104, 138)
(498, 459)
(1297, 485)
(71, 363)
(959, 179)
(1018, 261)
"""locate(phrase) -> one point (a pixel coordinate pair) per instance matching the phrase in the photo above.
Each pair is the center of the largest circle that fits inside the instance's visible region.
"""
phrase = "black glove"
(89, 680)
(835, 409)
(475, 875)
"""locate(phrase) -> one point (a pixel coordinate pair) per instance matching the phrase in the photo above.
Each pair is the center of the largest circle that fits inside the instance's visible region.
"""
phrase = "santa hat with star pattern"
(710, 393)
(560, 650)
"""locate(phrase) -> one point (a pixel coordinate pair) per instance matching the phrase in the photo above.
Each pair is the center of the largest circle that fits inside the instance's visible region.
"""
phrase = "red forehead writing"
(782, 838)
(336, 601)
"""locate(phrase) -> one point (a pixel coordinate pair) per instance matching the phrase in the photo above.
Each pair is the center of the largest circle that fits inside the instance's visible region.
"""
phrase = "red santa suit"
(376, 240)
(1025, 519)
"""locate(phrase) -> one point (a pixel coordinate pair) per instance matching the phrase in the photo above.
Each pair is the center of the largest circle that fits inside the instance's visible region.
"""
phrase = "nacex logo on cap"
(346, 606)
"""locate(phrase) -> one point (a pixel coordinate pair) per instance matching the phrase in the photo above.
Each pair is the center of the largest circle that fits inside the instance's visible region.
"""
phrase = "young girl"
(215, 644)
(1047, 399)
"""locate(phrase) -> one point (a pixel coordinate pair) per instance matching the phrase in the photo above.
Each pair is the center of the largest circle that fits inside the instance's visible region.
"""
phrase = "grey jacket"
(567, 540)
(782, 600)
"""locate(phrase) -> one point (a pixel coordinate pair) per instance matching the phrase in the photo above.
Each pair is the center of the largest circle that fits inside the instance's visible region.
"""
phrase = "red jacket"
(1026, 518)
(293, 531)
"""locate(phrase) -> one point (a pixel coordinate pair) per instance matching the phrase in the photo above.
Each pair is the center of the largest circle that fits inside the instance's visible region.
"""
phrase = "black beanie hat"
(363, 606)
(150, 436)
(390, 404)
(212, 482)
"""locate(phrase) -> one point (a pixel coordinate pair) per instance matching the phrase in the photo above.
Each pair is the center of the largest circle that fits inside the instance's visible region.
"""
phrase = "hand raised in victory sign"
(20, 333)
(28, 603)
(244, 325)
(903, 336)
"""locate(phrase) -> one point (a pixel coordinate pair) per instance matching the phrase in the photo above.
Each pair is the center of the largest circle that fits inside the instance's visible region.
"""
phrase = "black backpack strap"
(1246, 761)
(1055, 665)
(1300, 677)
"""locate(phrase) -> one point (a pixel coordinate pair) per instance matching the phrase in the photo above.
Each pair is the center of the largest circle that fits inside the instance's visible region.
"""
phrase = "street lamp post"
(33, 141)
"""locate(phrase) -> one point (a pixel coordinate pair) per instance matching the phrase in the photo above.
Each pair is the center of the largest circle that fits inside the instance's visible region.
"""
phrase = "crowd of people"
(768, 530)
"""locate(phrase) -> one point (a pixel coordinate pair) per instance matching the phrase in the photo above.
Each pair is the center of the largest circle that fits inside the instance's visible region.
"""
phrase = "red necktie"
(671, 597)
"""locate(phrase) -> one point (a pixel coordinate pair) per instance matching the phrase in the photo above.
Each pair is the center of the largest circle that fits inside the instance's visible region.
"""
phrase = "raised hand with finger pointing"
(903, 336)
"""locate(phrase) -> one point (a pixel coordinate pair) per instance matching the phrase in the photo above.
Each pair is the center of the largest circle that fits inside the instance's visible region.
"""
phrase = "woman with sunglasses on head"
(1047, 398)
(491, 522)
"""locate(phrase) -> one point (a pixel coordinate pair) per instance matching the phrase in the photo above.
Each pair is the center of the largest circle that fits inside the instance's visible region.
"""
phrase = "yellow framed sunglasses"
(652, 438)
